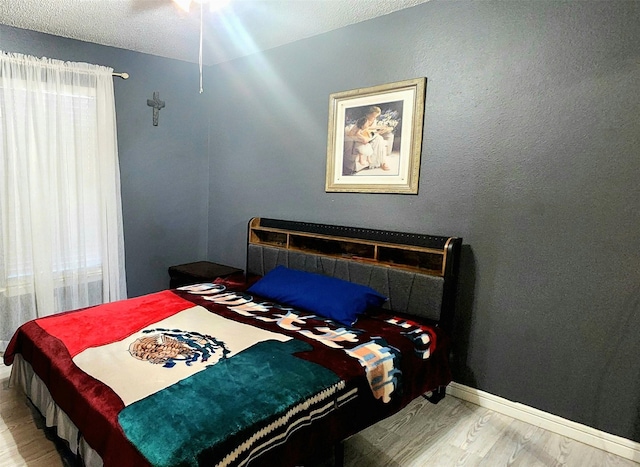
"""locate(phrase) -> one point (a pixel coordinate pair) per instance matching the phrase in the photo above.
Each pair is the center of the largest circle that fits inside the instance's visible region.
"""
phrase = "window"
(61, 244)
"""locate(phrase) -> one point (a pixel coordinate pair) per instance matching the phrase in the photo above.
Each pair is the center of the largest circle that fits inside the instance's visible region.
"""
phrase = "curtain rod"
(121, 75)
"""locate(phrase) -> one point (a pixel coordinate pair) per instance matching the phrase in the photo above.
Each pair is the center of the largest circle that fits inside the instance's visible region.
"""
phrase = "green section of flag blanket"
(172, 426)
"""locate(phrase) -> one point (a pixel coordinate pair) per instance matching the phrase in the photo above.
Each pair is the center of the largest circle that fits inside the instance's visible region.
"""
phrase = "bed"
(330, 330)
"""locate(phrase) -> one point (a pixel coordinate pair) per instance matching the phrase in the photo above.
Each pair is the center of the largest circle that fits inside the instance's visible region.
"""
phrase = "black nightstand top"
(200, 271)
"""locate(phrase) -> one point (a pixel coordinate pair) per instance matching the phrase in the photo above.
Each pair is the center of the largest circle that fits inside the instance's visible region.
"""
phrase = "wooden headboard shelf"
(424, 253)
(419, 273)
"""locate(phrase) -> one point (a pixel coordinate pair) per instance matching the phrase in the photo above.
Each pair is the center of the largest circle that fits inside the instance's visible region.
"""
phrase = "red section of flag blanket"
(96, 326)
(92, 406)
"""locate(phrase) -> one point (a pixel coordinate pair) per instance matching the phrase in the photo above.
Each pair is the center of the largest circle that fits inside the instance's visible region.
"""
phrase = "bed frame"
(418, 273)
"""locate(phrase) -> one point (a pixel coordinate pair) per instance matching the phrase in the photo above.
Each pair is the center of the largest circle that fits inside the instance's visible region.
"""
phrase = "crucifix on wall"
(157, 104)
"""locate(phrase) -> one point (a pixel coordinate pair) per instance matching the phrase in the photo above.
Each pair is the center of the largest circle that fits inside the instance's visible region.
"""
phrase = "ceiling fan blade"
(140, 6)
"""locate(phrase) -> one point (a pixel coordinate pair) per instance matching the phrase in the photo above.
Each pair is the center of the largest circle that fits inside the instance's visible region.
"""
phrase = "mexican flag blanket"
(206, 375)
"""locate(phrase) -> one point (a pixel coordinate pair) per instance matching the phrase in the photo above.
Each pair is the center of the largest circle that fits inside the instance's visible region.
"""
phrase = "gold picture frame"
(375, 138)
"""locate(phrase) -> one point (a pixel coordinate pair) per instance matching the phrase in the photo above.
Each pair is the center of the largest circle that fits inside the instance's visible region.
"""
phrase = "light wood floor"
(452, 433)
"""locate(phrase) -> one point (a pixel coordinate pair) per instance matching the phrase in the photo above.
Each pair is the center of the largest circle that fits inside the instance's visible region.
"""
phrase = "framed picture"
(375, 138)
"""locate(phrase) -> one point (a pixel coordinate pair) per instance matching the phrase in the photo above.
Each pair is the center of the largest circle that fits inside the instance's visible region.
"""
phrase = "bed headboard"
(418, 272)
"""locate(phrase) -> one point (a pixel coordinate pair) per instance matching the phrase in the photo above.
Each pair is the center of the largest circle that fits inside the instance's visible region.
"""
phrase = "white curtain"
(61, 241)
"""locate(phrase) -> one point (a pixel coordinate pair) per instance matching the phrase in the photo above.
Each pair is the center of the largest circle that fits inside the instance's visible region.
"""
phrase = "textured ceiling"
(159, 27)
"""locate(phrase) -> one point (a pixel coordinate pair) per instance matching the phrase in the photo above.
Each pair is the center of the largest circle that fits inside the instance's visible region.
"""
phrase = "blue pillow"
(332, 298)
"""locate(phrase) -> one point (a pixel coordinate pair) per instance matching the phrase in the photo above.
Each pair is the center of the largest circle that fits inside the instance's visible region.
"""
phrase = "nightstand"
(200, 271)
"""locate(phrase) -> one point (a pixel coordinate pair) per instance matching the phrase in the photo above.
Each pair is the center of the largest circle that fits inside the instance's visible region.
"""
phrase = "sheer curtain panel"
(61, 241)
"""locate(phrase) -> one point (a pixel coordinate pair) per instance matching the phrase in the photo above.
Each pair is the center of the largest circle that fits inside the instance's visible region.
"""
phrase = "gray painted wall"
(164, 175)
(531, 153)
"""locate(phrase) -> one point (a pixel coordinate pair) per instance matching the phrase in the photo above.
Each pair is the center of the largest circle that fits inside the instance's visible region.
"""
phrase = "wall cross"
(157, 104)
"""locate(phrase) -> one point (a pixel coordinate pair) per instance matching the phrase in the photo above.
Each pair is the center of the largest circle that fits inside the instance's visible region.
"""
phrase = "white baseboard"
(607, 442)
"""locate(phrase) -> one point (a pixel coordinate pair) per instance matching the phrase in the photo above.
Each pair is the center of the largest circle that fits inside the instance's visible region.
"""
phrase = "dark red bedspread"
(412, 358)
